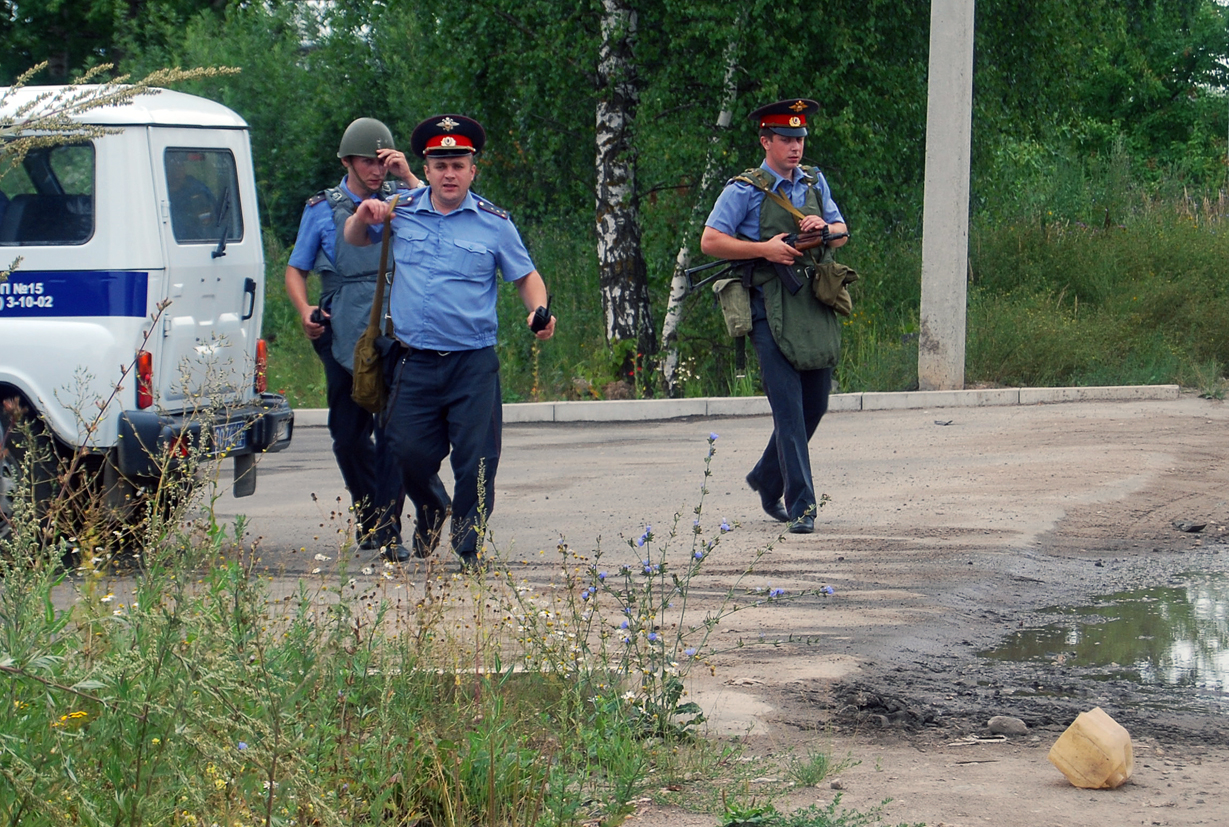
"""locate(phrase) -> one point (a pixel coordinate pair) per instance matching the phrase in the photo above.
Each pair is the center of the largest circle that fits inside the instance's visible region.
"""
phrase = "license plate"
(229, 436)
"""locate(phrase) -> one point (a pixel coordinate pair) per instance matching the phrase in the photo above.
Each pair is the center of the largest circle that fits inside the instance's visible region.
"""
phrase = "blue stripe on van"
(35, 293)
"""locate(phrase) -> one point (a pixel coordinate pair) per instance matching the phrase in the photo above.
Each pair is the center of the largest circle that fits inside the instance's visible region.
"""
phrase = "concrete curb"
(643, 410)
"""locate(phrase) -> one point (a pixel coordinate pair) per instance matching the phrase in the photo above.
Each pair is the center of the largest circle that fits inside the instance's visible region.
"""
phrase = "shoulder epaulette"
(316, 199)
(483, 204)
(810, 172)
(405, 200)
(756, 177)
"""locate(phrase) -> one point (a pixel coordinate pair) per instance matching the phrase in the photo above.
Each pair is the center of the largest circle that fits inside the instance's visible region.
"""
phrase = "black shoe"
(773, 508)
(395, 553)
(428, 531)
(803, 525)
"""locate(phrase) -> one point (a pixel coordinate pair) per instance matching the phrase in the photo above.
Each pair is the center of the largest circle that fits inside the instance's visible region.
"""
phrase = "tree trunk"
(621, 266)
(678, 284)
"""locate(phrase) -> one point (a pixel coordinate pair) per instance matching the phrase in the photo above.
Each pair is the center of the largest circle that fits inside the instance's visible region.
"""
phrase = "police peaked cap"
(447, 135)
(787, 117)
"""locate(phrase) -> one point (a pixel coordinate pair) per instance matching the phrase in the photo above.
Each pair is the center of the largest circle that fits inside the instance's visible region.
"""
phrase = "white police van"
(141, 268)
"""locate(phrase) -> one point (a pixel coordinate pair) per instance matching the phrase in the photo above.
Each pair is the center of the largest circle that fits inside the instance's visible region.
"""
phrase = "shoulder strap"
(483, 204)
(757, 182)
(377, 306)
(316, 199)
(336, 197)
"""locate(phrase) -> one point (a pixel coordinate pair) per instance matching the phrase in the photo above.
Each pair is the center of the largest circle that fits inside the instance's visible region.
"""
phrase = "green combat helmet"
(363, 137)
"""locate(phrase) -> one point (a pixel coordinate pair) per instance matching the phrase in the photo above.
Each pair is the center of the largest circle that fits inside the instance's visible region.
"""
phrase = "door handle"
(249, 295)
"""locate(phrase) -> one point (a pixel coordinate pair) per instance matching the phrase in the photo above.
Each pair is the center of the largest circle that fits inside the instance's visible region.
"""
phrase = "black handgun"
(541, 317)
(318, 317)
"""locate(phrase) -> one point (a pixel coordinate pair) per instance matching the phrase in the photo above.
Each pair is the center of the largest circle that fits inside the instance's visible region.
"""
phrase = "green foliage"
(813, 767)
(750, 815)
(1078, 109)
(1097, 277)
(766, 815)
(174, 687)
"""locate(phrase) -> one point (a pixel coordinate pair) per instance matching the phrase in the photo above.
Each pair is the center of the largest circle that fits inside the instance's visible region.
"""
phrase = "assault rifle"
(799, 241)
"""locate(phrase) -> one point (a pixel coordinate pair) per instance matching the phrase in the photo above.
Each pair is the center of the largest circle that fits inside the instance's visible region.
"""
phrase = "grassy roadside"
(1080, 280)
(184, 686)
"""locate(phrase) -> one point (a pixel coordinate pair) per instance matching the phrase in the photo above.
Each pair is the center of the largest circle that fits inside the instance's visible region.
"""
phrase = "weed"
(628, 630)
(814, 767)
(184, 692)
(750, 815)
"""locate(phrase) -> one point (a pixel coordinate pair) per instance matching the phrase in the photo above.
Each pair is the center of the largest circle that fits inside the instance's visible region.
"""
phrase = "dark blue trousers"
(362, 457)
(448, 405)
(799, 399)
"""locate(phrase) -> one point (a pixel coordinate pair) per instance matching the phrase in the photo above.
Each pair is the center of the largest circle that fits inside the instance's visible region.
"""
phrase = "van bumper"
(148, 438)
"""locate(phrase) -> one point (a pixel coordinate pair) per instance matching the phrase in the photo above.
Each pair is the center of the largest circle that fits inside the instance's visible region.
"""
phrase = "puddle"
(1173, 635)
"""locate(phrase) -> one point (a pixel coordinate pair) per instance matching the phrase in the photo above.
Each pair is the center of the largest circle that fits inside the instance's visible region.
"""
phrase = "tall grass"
(1083, 270)
(174, 682)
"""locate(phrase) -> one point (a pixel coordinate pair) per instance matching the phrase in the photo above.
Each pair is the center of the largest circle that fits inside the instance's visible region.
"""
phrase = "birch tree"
(621, 267)
(678, 284)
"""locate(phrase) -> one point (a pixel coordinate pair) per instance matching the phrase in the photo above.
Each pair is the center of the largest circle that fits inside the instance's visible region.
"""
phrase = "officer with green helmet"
(347, 289)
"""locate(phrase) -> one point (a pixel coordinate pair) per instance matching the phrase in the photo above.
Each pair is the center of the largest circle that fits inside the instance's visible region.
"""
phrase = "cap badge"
(448, 124)
(798, 106)
(795, 121)
(448, 141)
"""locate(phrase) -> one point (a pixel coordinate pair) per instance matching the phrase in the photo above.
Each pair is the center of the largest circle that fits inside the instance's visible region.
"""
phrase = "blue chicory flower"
(691, 653)
(623, 625)
(712, 437)
(829, 590)
(242, 745)
(776, 593)
(652, 637)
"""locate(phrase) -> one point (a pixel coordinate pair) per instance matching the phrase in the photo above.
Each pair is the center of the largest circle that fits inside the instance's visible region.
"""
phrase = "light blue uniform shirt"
(737, 211)
(445, 290)
(316, 231)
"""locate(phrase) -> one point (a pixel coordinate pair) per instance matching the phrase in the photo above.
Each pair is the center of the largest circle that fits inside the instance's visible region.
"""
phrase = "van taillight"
(262, 365)
(145, 379)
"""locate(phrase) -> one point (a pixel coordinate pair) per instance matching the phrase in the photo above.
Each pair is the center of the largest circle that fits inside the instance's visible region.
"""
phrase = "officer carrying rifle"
(781, 219)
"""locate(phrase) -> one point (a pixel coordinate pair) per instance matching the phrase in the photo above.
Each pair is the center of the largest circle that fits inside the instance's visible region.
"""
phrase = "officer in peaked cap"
(445, 398)
(796, 336)
(347, 289)
(787, 117)
(446, 135)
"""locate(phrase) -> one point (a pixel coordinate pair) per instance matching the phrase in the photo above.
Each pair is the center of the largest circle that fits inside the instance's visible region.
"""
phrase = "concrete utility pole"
(945, 218)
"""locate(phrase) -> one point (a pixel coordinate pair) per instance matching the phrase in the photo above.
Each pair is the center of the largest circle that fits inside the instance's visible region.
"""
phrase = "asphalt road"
(578, 481)
(901, 482)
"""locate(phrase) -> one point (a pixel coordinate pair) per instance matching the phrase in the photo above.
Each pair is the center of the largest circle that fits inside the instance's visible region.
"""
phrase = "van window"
(203, 192)
(49, 198)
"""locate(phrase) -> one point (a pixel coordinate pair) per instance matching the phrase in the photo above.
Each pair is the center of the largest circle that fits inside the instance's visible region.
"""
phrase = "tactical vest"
(351, 284)
(804, 328)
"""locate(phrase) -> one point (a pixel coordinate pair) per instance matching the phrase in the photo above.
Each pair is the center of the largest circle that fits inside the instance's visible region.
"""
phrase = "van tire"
(15, 445)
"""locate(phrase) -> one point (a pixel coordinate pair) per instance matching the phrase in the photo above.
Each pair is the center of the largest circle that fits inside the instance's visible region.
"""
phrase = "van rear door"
(214, 267)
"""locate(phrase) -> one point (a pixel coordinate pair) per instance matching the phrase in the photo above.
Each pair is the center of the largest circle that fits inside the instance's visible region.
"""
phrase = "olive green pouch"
(831, 286)
(735, 305)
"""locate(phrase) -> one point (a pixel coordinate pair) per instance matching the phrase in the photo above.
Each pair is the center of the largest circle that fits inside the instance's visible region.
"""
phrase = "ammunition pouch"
(830, 284)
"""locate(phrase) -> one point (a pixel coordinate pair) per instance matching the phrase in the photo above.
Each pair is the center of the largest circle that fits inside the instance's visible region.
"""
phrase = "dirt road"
(947, 530)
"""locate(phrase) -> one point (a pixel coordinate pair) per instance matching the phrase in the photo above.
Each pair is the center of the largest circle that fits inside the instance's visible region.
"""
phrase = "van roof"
(163, 108)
